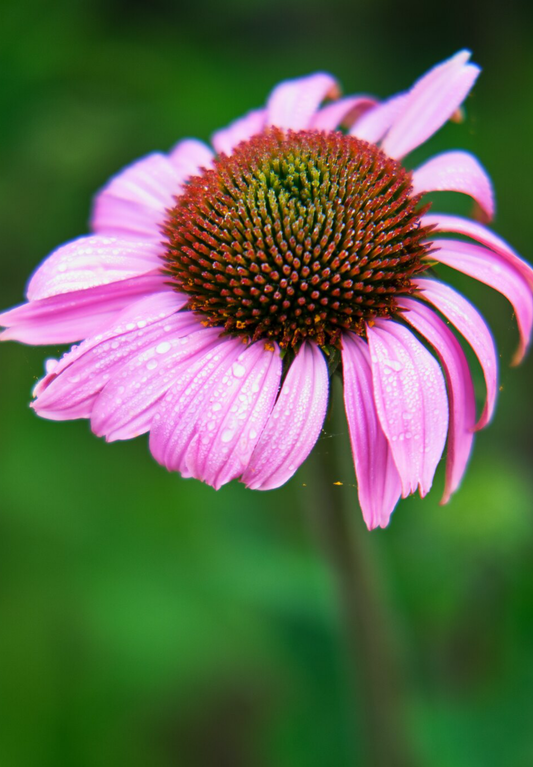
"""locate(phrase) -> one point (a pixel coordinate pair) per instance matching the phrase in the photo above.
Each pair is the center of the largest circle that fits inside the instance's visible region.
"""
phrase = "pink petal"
(430, 103)
(126, 406)
(209, 423)
(134, 203)
(69, 390)
(174, 422)
(226, 140)
(69, 317)
(445, 223)
(189, 157)
(494, 270)
(456, 172)
(294, 425)
(226, 437)
(342, 112)
(472, 326)
(293, 103)
(411, 402)
(91, 261)
(375, 123)
(460, 388)
(378, 481)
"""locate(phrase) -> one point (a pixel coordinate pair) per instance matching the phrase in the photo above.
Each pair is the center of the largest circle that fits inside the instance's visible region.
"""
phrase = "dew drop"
(163, 347)
(50, 365)
(393, 364)
(227, 434)
(238, 370)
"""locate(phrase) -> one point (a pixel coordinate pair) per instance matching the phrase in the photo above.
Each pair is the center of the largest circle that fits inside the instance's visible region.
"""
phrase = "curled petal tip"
(519, 355)
(463, 55)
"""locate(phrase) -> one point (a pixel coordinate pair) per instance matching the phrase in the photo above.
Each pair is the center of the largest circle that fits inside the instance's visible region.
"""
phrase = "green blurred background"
(147, 620)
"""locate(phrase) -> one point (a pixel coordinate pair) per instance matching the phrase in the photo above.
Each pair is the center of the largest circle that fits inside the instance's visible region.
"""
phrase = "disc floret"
(296, 235)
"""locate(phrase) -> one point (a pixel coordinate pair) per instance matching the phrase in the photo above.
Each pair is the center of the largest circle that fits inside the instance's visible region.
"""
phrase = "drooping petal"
(226, 139)
(430, 103)
(209, 423)
(127, 404)
(175, 419)
(70, 317)
(293, 103)
(188, 157)
(134, 202)
(411, 402)
(294, 425)
(69, 390)
(226, 436)
(456, 172)
(91, 261)
(472, 326)
(378, 481)
(460, 388)
(445, 223)
(342, 112)
(375, 123)
(494, 270)
(137, 314)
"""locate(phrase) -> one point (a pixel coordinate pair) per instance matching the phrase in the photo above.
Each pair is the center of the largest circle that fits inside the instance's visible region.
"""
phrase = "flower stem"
(368, 628)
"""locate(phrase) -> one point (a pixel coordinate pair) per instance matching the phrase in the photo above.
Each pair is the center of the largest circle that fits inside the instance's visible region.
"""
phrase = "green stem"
(368, 629)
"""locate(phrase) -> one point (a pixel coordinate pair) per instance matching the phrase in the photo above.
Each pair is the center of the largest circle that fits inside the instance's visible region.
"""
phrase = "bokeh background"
(149, 621)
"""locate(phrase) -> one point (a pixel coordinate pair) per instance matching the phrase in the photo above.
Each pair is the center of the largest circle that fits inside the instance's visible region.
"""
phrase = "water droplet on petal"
(163, 347)
(227, 434)
(50, 365)
(238, 370)
(393, 364)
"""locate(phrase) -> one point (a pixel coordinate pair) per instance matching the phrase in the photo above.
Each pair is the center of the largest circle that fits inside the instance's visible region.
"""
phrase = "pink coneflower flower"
(219, 284)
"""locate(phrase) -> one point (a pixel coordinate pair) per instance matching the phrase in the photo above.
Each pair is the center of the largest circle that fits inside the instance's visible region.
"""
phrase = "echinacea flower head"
(218, 283)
